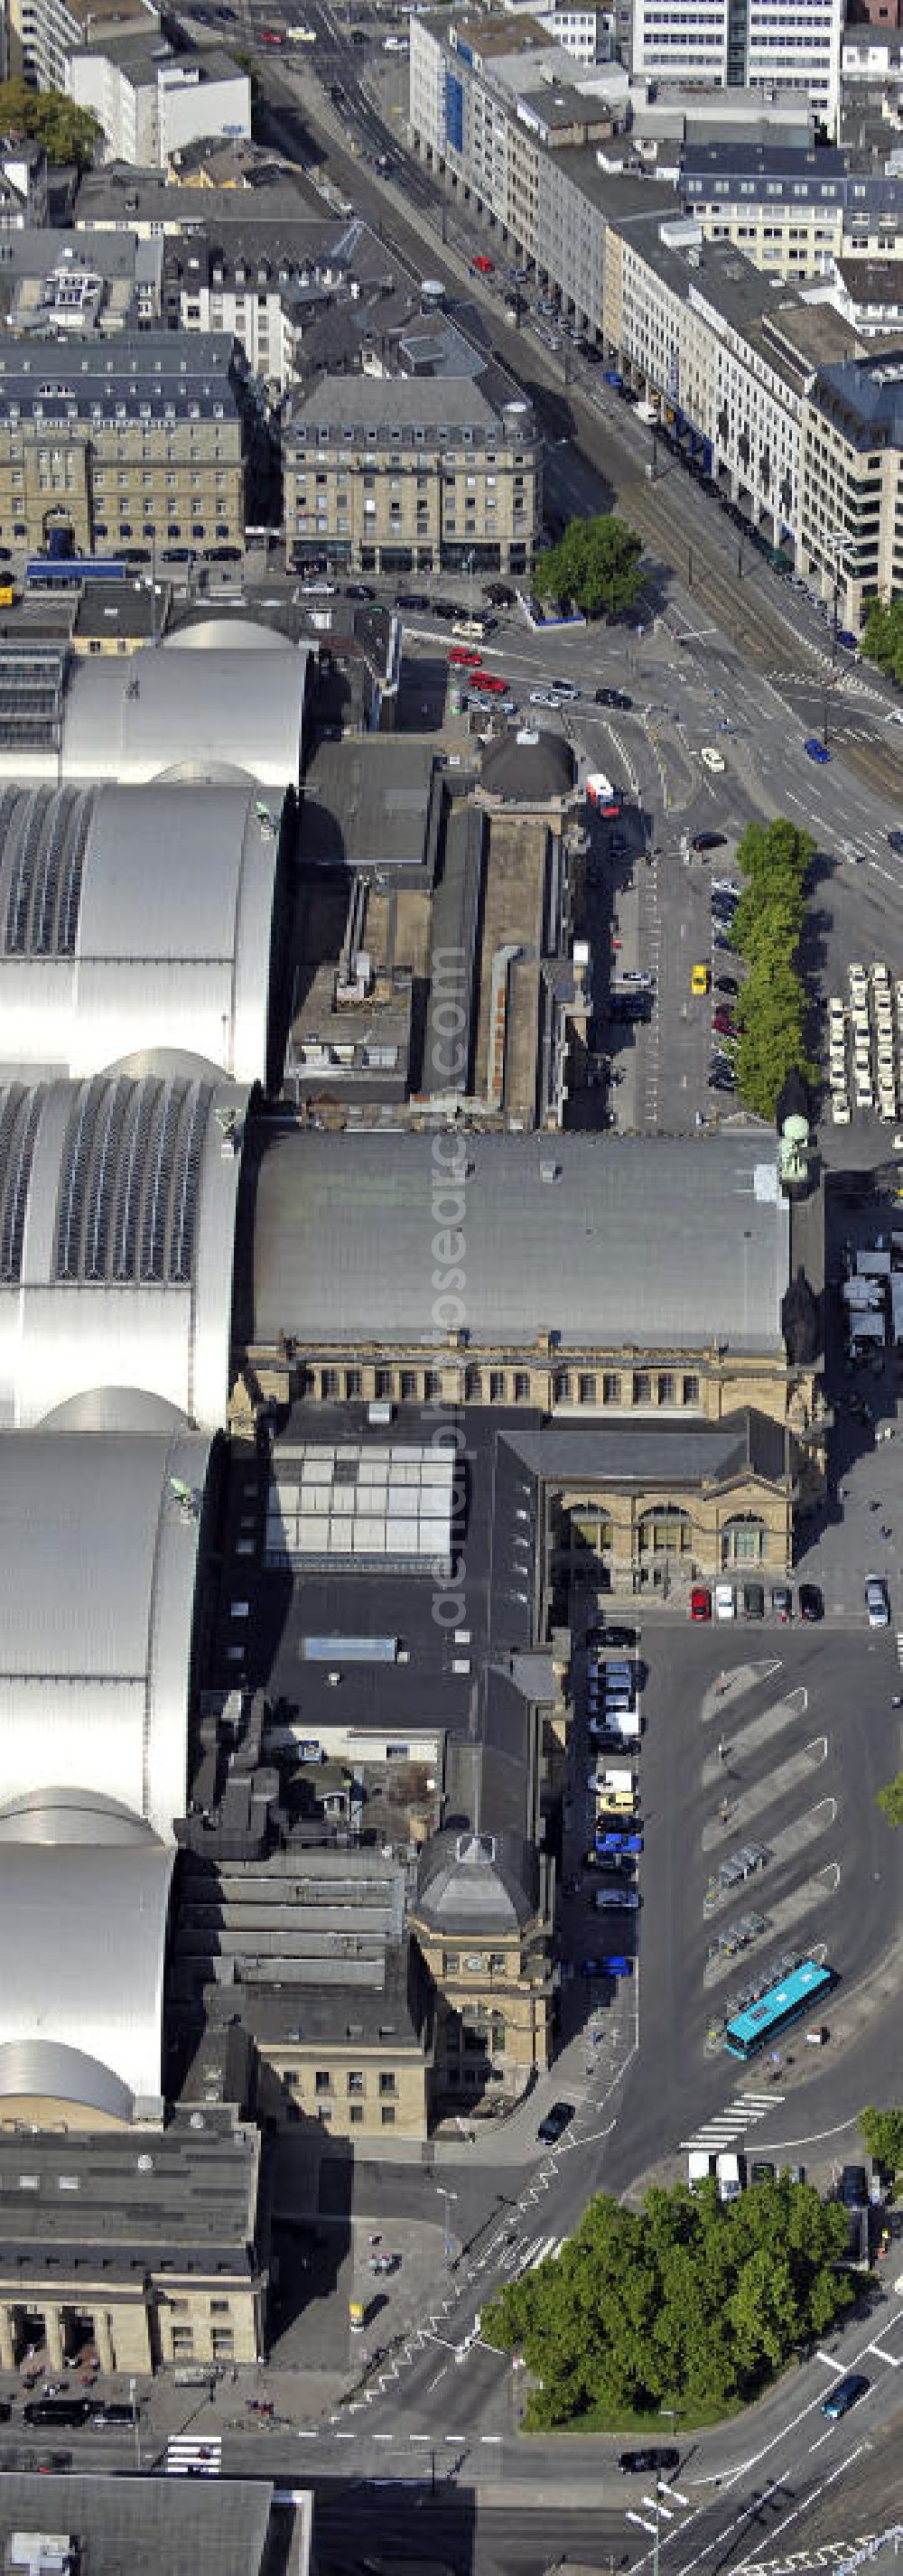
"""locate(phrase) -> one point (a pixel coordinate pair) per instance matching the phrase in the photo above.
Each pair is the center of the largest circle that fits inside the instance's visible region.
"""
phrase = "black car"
(811, 1603)
(613, 698)
(498, 593)
(611, 1637)
(707, 841)
(662, 2457)
(854, 2190)
(359, 590)
(726, 984)
(753, 1601)
(845, 2395)
(412, 599)
(557, 2119)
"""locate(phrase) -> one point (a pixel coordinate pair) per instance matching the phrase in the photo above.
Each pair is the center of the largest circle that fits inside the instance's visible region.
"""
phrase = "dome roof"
(528, 768)
(236, 634)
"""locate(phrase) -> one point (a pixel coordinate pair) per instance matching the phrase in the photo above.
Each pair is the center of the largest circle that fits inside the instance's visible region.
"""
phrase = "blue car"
(816, 749)
(609, 1967)
(846, 637)
(618, 1842)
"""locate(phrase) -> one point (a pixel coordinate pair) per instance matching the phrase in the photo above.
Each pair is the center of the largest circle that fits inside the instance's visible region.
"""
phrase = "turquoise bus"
(782, 2004)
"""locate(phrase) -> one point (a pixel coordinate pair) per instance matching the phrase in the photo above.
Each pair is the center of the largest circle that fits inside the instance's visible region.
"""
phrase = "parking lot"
(763, 1748)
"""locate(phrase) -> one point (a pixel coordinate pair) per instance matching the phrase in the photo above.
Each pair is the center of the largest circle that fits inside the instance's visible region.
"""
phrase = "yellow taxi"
(700, 978)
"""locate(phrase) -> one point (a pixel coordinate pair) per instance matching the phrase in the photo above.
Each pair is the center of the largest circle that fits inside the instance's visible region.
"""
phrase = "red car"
(490, 684)
(483, 266)
(271, 36)
(461, 653)
(700, 1602)
(725, 1026)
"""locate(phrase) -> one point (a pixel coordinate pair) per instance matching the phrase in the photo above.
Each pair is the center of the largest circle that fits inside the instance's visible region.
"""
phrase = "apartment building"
(395, 475)
(50, 30)
(150, 102)
(122, 446)
(271, 283)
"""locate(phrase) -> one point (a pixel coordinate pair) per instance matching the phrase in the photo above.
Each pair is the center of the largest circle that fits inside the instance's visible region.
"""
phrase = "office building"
(398, 475)
(128, 445)
(792, 213)
(754, 46)
(852, 480)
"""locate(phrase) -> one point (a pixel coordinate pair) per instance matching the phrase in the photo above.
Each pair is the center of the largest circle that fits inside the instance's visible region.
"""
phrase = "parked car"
(614, 1838)
(725, 1604)
(611, 1637)
(811, 1603)
(617, 1900)
(359, 590)
(556, 2121)
(844, 2395)
(753, 1601)
(707, 841)
(700, 1602)
(727, 984)
(414, 599)
(723, 1023)
(781, 1601)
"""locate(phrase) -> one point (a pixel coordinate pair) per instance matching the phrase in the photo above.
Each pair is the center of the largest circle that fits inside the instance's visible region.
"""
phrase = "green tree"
(882, 2133)
(596, 564)
(882, 636)
(774, 859)
(686, 2302)
(68, 133)
(890, 1800)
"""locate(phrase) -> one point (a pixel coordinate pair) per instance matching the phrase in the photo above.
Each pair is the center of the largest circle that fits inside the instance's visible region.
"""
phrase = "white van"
(730, 2182)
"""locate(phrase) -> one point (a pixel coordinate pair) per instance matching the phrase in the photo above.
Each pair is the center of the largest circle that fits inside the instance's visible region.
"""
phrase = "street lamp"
(836, 541)
(446, 2198)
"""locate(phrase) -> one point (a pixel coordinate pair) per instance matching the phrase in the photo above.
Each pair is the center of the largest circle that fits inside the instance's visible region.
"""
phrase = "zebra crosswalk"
(725, 2127)
(527, 2258)
(189, 2457)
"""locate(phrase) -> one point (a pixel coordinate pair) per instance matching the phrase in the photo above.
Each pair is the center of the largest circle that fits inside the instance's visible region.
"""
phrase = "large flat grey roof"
(656, 1241)
(190, 2527)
